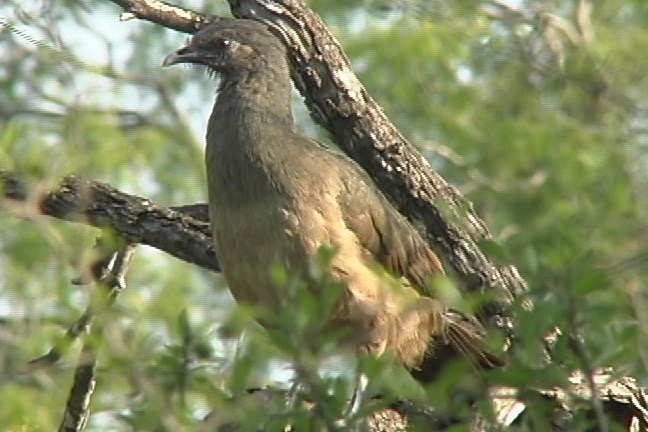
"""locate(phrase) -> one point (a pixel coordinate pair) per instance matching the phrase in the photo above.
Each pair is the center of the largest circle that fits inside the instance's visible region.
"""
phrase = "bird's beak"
(183, 55)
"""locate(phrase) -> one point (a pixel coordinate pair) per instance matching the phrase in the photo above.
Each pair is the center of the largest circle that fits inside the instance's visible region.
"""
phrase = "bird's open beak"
(182, 55)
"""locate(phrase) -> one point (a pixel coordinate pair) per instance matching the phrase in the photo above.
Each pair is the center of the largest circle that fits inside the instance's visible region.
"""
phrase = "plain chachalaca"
(277, 196)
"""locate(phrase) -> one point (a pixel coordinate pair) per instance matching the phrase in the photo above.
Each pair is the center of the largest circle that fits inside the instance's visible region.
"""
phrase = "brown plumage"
(277, 196)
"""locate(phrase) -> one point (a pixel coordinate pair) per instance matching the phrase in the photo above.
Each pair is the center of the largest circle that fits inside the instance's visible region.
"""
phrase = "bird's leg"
(362, 381)
(353, 408)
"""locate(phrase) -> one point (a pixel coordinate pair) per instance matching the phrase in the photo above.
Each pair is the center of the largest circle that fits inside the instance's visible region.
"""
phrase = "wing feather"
(386, 234)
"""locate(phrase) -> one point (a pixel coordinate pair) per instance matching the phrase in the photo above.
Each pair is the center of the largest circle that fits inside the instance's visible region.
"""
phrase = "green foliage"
(544, 133)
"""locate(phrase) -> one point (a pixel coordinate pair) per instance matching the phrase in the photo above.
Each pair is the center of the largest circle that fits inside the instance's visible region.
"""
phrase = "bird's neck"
(246, 135)
(262, 96)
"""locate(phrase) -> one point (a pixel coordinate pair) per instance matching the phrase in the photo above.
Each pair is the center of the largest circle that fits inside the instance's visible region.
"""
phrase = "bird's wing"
(394, 242)
(385, 233)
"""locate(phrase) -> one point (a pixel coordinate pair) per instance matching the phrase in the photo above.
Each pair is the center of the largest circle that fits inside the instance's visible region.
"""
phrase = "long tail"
(466, 337)
(461, 337)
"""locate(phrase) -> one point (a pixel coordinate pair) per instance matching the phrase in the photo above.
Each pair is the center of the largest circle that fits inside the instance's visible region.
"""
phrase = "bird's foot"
(357, 397)
(351, 420)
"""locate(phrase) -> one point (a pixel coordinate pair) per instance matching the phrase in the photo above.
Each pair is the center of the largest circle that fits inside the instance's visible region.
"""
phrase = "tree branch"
(134, 219)
(109, 271)
(165, 14)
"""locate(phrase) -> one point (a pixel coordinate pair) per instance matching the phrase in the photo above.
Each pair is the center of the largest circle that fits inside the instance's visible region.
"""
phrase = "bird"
(277, 196)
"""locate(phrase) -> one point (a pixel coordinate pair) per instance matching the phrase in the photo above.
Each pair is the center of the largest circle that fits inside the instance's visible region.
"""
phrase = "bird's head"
(230, 46)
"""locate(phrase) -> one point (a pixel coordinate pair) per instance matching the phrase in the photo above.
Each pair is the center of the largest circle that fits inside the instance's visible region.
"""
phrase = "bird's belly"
(253, 238)
(254, 231)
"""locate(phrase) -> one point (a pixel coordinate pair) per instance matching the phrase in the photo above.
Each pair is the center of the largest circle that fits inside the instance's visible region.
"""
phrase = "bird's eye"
(223, 43)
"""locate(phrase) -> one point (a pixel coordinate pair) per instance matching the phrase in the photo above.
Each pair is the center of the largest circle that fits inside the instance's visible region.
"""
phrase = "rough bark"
(135, 219)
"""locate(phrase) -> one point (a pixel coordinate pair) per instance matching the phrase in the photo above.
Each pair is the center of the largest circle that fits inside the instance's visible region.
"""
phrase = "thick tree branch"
(134, 219)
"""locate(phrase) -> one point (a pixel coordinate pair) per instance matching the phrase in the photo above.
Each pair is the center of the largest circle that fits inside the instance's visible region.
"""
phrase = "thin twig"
(76, 412)
(578, 347)
(111, 282)
(97, 269)
(56, 352)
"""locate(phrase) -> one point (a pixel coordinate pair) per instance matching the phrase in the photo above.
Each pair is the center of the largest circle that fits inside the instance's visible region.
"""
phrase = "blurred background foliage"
(536, 110)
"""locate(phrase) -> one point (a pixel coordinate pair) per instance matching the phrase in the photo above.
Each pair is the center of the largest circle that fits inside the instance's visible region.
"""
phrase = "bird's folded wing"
(385, 233)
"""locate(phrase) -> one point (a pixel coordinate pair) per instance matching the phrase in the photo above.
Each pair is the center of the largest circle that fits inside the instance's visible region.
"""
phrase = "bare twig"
(109, 270)
(56, 352)
(578, 347)
(76, 412)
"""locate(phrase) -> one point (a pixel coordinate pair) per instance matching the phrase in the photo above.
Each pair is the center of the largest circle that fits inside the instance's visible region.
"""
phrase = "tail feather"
(466, 337)
(460, 336)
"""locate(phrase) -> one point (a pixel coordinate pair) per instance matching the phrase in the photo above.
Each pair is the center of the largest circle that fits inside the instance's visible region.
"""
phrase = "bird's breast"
(263, 216)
